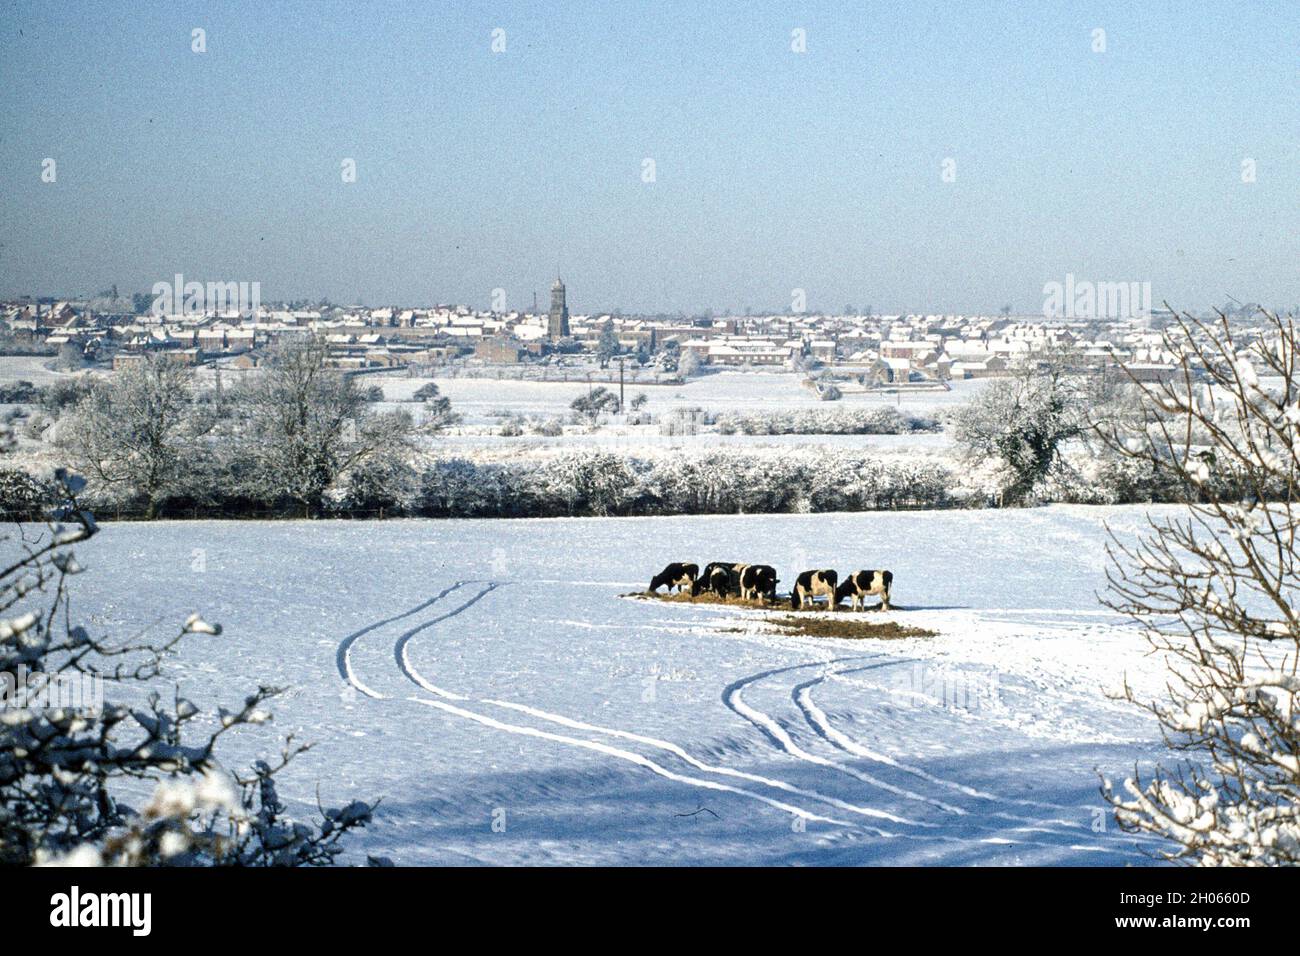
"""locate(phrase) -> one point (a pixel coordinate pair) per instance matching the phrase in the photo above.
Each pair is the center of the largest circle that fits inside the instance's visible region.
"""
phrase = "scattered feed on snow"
(705, 597)
(854, 630)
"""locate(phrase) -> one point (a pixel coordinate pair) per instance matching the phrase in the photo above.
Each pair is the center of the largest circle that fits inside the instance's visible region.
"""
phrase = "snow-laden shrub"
(593, 405)
(22, 497)
(20, 392)
(590, 483)
(384, 484)
(66, 750)
(829, 392)
(64, 393)
(551, 428)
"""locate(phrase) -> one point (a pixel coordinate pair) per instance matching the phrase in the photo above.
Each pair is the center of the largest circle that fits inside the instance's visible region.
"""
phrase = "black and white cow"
(677, 575)
(720, 577)
(810, 584)
(725, 579)
(860, 584)
(758, 581)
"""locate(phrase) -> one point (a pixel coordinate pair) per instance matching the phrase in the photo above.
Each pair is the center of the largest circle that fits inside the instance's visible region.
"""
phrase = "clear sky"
(774, 170)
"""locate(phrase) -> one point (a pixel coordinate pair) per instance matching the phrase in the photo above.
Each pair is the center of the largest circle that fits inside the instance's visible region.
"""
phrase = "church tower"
(557, 326)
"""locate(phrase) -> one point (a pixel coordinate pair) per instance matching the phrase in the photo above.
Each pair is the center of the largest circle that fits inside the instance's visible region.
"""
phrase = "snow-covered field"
(487, 681)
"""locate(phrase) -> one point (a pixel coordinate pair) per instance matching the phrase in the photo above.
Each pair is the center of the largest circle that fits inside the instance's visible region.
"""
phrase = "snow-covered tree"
(137, 430)
(308, 424)
(1214, 587)
(71, 357)
(689, 364)
(438, 414)
(1022, 422)
(607, 345)
(669, 356)
(66, 749)
(594, 403)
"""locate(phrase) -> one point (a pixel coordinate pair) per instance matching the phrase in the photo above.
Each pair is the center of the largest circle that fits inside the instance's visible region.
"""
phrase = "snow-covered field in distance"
(728, 391)
(482, 401)
(494, 675)
(30, 368)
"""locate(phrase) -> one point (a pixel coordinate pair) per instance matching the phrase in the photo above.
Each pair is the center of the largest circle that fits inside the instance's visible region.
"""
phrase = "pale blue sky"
(775, 170)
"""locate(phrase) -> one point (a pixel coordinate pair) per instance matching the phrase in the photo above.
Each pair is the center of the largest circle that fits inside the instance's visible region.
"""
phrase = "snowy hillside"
(487, 681)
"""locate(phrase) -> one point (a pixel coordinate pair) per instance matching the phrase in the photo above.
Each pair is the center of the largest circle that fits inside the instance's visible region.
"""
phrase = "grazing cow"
(810, 584)
(712, 580)
(758, 581)
(677, 575)
(858, 585)
(725, 579)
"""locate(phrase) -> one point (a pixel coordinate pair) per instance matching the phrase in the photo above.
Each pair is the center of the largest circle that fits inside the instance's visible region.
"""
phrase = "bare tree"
(308, 424)
(136, 429)
(1213, 587)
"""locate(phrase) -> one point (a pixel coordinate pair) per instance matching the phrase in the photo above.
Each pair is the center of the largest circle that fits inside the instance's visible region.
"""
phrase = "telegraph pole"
(620, 384)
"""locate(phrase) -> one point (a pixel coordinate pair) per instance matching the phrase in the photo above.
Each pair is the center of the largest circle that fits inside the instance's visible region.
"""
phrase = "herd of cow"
(759, 581)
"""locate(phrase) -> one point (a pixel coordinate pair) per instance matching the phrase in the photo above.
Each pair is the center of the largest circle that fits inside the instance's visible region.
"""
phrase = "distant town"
(911, 349)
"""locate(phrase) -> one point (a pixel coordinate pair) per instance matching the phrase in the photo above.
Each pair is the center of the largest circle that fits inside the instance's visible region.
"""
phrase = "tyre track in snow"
(401, 655)
(630, 757)
(817, 719)
(402, 658)
(343, 656)
(772, 729)
(403, 642)
(756, 778)
(820, 722)
(683, 755)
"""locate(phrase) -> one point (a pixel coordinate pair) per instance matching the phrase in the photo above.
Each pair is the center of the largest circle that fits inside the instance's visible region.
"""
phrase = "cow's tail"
(794, 597)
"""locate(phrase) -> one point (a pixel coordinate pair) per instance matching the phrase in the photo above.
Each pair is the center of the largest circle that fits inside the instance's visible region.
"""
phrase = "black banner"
(927, 905)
